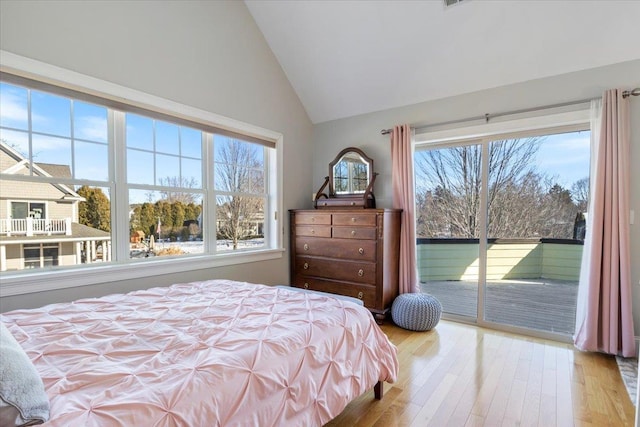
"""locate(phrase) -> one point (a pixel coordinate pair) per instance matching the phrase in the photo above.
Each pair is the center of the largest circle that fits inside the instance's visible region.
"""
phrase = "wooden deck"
(541, 304)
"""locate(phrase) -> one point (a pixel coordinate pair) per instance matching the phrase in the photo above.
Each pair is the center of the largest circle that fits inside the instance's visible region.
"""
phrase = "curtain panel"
(404, 198)
(604, 319)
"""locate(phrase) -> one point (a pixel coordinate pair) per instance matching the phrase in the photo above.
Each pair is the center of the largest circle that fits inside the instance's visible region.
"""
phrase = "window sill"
(26, 283)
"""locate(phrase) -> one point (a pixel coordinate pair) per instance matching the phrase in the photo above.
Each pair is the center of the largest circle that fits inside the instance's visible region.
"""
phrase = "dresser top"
(345, 210)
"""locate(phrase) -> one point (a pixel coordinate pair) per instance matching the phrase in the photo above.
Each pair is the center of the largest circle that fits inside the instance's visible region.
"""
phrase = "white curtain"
(583, 294)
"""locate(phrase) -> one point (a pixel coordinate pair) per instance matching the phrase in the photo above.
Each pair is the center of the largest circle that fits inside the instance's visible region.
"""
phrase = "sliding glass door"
(538, 190)
(500, 226)
(448, 190)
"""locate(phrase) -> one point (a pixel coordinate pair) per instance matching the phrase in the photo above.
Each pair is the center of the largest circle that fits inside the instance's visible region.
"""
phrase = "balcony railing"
(35, 227)
(457, 259)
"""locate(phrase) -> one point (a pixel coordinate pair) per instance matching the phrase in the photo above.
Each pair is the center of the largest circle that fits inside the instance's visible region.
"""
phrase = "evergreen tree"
(148, 218)
(177, 214)
(95, 211)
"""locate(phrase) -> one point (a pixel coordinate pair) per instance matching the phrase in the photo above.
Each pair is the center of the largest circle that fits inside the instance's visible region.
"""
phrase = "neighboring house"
(39, 221)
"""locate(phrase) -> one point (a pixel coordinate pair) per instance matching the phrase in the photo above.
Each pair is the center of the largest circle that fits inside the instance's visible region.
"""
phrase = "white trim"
(529, 125)
(26, 283)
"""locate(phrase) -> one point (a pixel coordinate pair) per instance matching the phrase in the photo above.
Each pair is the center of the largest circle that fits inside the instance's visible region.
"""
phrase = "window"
(88, 180)
(22, 210)
(164, 177)
(40, 255)
(239, 180)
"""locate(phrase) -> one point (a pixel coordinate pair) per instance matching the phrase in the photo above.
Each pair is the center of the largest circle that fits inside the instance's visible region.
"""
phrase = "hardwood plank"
(433, 403)
(564, 406)
(533, 393)
(513, 410)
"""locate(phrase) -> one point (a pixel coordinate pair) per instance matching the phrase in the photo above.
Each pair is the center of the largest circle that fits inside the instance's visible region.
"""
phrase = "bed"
(212, 353)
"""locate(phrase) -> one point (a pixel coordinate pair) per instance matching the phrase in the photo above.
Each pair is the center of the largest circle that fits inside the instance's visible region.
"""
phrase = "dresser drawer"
(313, 230)
(366, 293)
(364, 250)
(354, 219)
(361, 272)
(312, 218)
(362, 233)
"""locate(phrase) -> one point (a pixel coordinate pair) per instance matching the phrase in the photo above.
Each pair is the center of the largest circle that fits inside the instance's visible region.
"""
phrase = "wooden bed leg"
(378, 390)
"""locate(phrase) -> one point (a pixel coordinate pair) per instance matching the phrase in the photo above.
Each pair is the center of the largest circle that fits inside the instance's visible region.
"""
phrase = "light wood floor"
(462, 375)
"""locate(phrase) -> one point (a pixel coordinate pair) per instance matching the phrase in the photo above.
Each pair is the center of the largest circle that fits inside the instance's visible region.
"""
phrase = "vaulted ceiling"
(345, 58)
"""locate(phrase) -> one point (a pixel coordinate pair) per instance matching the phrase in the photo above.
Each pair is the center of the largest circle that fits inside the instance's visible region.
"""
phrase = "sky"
(565, 157)
(562, 159)
(51, 124)
(75, 133)
(177, 150)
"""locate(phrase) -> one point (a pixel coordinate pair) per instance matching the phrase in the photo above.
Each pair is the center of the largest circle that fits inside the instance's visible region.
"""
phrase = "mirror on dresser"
(350, 182)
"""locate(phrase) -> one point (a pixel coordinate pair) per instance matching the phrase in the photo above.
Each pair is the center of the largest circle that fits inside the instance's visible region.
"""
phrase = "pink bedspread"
(215, 353)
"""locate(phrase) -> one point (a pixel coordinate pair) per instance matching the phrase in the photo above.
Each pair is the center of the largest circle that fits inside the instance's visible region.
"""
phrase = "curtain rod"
(628, 93)
(487, 117)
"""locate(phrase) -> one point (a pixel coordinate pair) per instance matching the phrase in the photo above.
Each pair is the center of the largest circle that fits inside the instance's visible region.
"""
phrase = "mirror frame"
(341, 155)
(363, 199)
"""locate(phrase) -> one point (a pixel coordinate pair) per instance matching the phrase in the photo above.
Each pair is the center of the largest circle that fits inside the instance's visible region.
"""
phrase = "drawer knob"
(360, 251)
(324, 204)
(306, 285)
(313, 219)
(353, 232)
(313, 231)
(353, 219)
(306, 247)
(360, 295)
(361, 272)
(353, 203)
(306, 266)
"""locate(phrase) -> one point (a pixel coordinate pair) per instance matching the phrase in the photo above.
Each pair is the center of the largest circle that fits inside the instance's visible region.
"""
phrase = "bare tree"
(580, 193)
(239, 177)
(178, 195)
(522, 202)
(450, 180)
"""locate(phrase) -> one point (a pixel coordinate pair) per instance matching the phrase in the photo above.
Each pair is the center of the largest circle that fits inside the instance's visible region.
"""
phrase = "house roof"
(345, 58)
(42, 169)
(58, 171)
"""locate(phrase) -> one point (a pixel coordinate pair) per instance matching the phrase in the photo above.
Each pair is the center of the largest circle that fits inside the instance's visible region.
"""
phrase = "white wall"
(208, 55)
(364, 131)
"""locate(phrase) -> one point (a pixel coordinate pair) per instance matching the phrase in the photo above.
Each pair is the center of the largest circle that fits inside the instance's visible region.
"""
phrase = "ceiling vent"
(449, 3)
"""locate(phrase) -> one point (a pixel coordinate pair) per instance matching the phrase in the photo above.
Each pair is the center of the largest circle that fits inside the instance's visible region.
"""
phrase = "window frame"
(114, 95)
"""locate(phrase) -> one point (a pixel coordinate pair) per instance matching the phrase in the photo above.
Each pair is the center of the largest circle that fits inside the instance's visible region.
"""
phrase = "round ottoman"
(416, 312)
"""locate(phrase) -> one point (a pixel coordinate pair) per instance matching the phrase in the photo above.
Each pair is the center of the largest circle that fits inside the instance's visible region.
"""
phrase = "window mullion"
(119, 188)
(209, 202)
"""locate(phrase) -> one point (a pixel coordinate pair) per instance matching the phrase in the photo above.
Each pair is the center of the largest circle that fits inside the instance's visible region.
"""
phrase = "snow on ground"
(197, 247)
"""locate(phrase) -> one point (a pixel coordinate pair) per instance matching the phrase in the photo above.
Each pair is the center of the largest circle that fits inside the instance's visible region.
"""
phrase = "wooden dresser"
(347, 252)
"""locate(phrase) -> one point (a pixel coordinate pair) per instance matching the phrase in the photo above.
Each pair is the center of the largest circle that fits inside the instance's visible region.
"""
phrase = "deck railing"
(457, 259)
(34, 227)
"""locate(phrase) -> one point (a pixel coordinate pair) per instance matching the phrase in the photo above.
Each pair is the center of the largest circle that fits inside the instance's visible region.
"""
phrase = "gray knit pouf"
(416, 312)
